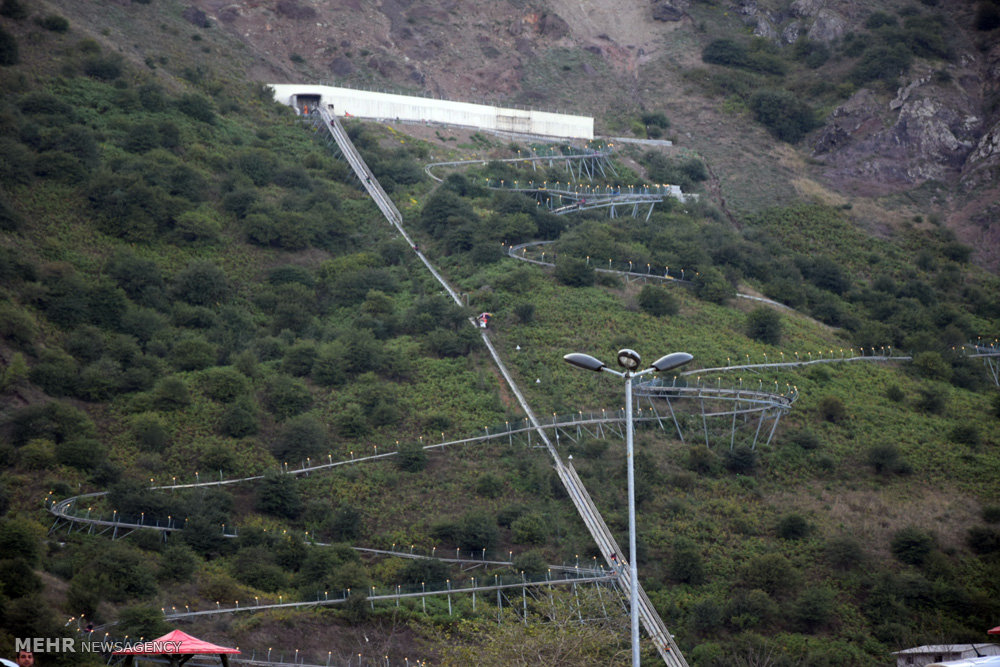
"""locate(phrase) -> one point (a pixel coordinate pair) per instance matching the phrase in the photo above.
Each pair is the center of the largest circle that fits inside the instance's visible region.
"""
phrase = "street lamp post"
(630, 360)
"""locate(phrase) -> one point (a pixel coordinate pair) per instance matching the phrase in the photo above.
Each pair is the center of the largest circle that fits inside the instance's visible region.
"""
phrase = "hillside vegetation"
(194, 287)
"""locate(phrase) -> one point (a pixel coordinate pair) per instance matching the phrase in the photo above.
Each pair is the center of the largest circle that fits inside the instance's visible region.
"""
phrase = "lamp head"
(671, 361)
(629, 359)
(585, 361)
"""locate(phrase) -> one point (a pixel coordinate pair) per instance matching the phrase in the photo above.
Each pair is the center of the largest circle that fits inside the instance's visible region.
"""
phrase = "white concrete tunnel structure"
(388, 106)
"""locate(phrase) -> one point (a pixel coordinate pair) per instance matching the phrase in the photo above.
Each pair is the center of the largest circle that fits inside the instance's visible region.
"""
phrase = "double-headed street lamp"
(630, 361)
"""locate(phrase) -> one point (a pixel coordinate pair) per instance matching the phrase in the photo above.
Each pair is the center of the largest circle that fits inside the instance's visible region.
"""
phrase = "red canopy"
(176, 642)
(994, 631)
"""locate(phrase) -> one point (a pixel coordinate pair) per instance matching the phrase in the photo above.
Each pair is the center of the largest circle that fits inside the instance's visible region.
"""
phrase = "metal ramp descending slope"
(592, 518)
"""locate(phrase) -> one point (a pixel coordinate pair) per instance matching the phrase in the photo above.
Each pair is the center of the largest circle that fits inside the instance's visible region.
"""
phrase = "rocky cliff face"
(942, 124)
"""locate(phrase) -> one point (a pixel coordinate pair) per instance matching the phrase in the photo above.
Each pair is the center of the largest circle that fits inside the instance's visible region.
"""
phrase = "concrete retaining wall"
(365, 104)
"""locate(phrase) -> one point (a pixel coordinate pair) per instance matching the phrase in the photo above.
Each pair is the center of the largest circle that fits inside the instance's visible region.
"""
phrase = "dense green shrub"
(56, 373)
(701, 460)
(877, 20)
(529, 529)
(224, 384)
(983, 540)
(171, 393)
(711, 285)
(412, 457)
(142, 621)
(201, 283)
(772, 573)
(813, 609)
(13, 9)
(657, 301)
(732, 54)
(966, 434)
(764, 324)
(344, 524)
(81, 453)
(139, 278)
(793, 527)
(844, 553)
(443, 210)
(987, 16)
(286, 397)
(54, 22)
(885, 459)
(489, 486)
(196, 106)
(105, 68)
(911, 545)
(525, 312)
(424, 572)
(9, 52)
(574, 272)
(931, 400)
(784, 114)
(931, 365)
(477, 531)
(351, 422)
(53, 420)
(831, 409)
(150, 434)
(686, 563)
(299, 359)
(17, 326)
(278, 495)
(882, 63)
(239, 419)
(741, 460)
(178, 563)
(299, 437)
(813, 54)
(193, 353)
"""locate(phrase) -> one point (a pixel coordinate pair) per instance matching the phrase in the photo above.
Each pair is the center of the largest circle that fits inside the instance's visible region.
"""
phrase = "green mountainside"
(193, 286)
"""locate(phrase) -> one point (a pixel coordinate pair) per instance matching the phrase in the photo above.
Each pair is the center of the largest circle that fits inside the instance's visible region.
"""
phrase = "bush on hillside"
(686, 563)
(54, 22)
(286, 397)
(885, 459)
(911, 545)
(344, 525)
(657, 301)
(477, 531)
(9, 53)
(104, 68)
(529, 529)
(171, 393)
(278, 495)
(574, 272)
(882, 63)
(764, 324)
(412, 457)
(785, 115)
(299, 437)
(196, 106)
(239, 419)
(732, 54)
(793, 527)
(987, 16)
(13, 9)
(201, 283)
(711, 285)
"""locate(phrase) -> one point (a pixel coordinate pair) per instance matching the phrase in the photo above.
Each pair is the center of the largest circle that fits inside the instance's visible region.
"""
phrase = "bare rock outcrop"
(925, 132)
